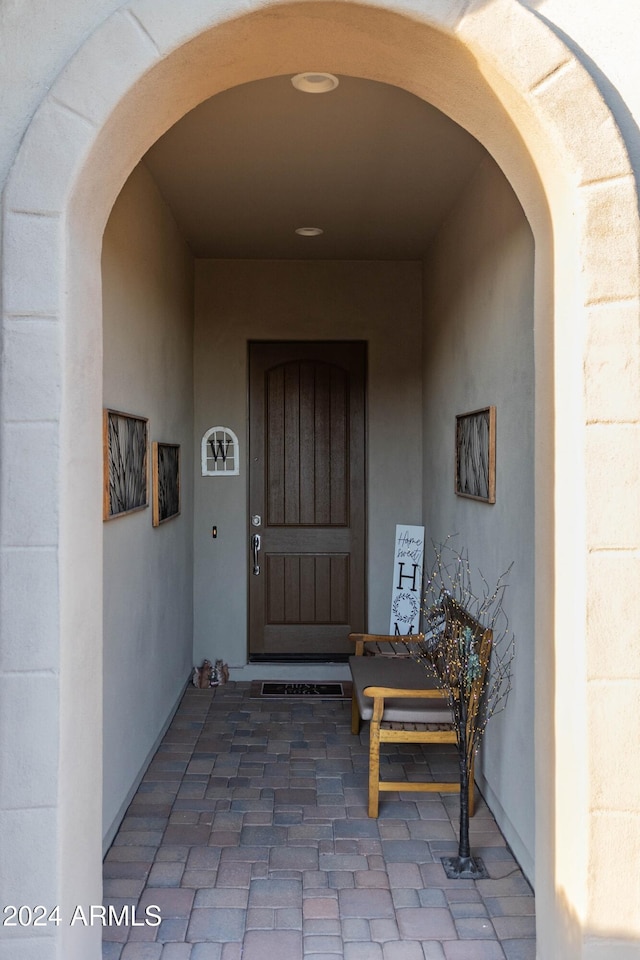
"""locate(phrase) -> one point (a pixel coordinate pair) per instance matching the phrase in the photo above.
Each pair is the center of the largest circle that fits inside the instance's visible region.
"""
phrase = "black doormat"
(288, 690)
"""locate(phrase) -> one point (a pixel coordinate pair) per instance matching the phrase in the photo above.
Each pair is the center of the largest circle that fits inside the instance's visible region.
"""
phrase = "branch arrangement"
(468, 647)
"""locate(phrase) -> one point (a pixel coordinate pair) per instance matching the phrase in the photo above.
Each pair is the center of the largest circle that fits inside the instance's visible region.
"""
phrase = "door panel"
(307, 484)
(306, 444)
(307, 589)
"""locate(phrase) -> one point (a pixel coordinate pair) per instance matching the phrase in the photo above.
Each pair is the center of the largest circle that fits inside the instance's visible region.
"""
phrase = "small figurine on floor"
(210, 675)
(220, 673)
(202, 675)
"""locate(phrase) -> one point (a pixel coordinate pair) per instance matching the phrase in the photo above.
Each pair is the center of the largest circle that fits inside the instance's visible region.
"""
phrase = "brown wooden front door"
(306, 499)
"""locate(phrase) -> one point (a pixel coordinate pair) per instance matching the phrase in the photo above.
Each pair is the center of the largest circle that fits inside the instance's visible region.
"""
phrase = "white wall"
(238, 301)
(148, 586)
(605, 35)
(478, 350)
(38, 37)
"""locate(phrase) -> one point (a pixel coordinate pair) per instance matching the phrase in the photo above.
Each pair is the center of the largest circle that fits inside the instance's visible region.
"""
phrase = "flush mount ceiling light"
(309, 231)
(311, 82)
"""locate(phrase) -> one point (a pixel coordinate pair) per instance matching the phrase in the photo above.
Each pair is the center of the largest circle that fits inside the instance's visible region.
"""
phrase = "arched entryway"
(500, 73)
(425, 271)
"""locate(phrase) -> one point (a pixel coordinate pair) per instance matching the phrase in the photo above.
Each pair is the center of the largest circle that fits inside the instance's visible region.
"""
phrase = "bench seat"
(397, 672)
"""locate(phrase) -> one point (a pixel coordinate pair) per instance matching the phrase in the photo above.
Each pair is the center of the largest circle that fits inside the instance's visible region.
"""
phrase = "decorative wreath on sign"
(405, 608)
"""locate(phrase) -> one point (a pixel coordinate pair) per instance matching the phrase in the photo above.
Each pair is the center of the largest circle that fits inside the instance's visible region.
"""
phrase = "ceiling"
(372, 165)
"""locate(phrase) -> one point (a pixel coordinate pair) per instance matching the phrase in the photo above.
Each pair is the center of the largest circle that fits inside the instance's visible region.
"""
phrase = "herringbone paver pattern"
(249, 837)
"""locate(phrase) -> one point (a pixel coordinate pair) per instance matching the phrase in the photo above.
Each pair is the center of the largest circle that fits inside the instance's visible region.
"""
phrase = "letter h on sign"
(407, 576)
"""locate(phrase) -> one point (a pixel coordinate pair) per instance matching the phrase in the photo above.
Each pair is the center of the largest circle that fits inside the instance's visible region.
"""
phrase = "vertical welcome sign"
(407, 580)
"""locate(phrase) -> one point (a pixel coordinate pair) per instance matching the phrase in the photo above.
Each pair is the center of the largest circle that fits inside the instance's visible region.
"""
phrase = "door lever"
(256, 543)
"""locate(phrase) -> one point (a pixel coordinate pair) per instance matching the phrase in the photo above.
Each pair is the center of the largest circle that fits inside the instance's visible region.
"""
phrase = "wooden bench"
(403, 703)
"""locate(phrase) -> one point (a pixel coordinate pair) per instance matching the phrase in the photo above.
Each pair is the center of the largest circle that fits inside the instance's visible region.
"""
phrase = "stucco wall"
(478, 350)
(148, 592)
(38, 37)
(57, 200)
(237, 301)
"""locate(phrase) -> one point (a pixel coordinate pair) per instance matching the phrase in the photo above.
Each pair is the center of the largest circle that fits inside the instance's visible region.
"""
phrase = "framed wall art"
(165, 460)
(476, 455)
(125, 444)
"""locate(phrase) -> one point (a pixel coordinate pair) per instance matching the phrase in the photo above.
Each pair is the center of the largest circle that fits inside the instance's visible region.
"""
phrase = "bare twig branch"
(467, 645)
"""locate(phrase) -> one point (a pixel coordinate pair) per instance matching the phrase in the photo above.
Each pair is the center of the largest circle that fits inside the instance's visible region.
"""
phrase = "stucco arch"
(498, 71)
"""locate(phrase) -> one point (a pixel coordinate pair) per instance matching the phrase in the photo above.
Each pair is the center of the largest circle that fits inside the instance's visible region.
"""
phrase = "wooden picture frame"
(125, 441)
(475, 476)
(165, 461)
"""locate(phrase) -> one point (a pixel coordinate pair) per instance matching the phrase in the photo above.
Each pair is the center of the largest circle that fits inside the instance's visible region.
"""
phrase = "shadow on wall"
(610, 93)
(601, 944)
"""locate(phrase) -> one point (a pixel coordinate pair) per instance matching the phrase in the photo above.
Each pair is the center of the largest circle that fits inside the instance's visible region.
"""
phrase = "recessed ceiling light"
(309, 231)
(315, 82)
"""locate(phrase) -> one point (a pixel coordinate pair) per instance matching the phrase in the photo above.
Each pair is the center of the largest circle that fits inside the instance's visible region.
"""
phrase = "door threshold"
(285, 658)
(301, 672)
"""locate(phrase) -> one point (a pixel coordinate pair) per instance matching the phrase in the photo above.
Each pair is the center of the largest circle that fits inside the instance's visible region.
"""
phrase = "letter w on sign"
(218, 449)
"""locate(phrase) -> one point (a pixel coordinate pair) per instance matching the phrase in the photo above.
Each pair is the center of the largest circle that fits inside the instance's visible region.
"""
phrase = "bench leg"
(374, 768)
(355, 716)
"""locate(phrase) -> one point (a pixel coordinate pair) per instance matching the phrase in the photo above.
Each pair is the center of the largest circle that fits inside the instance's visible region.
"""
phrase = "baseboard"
(521, 854)
(119, 817)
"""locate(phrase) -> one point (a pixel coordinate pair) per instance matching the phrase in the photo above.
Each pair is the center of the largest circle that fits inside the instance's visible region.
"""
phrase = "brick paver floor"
(249, 837)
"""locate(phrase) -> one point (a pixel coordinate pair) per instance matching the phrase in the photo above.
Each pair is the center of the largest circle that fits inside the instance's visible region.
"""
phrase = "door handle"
(256, 543)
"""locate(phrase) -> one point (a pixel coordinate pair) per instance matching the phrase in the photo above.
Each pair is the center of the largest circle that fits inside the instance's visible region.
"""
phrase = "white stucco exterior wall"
(238, 301)
(478, 351)
(603, 36)
(37, 39)
(503, 73)
(148, 571)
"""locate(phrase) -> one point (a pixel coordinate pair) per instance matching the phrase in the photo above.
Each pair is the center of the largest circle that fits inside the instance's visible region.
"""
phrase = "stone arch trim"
(51, 233)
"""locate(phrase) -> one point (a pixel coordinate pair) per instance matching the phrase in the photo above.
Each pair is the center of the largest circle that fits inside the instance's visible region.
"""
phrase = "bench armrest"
(383, 692)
